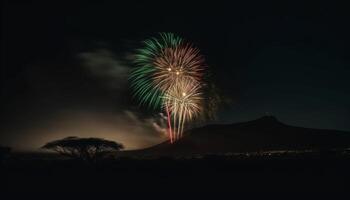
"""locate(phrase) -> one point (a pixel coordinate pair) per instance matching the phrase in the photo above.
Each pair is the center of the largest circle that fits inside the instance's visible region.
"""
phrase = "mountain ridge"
(263, 134)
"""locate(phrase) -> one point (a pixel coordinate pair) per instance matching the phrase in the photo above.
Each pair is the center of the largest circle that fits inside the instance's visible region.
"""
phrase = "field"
(311, 172)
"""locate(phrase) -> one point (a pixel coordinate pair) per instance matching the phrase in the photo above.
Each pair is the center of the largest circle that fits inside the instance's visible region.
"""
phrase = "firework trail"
(168, 75)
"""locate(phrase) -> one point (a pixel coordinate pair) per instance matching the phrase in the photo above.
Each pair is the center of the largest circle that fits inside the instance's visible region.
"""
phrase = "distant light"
(177, 73)
(183, 94)
(169, 69)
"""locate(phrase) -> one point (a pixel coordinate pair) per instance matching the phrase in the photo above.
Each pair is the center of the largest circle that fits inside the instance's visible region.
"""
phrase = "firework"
(142, 76)
(168, 75)
(183, 101)
(174, 65)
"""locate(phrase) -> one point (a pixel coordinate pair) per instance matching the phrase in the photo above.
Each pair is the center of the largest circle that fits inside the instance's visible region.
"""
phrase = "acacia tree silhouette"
(86, 149)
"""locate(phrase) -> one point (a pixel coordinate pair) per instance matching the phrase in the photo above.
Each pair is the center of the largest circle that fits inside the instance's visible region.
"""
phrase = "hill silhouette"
(263, 134)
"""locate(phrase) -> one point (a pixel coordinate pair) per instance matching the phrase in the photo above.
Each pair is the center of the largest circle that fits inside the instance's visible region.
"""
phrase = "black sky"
(288, 59)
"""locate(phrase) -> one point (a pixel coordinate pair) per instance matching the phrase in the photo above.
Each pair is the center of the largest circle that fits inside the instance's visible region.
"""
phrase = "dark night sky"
(290, 60)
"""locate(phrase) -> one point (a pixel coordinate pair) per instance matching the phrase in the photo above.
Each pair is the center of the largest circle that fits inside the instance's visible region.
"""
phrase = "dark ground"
(313, 173)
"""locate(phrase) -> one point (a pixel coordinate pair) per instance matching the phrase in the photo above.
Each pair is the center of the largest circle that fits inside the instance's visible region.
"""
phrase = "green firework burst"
(141, 75)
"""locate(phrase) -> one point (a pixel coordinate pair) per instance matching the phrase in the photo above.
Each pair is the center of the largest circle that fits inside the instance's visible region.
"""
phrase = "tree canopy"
(87, 149)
